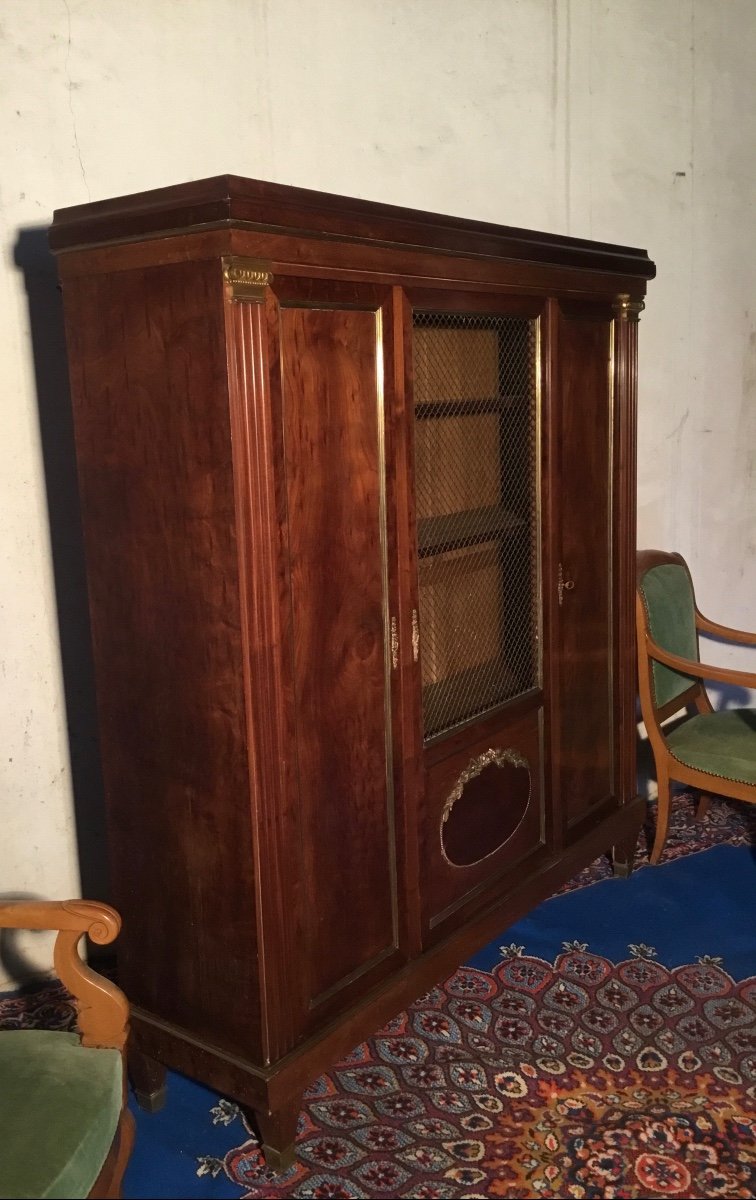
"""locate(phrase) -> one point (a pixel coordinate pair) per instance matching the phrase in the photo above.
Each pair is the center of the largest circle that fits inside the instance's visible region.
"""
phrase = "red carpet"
(581, 1078)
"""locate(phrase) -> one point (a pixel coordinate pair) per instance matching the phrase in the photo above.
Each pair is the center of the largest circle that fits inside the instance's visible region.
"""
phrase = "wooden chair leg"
(704, 800)
(662, 815)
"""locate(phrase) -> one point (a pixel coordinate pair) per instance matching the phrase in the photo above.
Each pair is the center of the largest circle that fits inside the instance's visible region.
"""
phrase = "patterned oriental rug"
(607, 1049)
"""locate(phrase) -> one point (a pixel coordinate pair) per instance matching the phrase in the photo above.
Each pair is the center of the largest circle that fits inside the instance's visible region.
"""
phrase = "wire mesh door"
(476, 479)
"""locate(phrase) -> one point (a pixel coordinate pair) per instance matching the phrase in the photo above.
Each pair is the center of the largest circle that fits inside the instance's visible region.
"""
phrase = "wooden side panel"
(331, 365)
(147, 358)
(584, 646)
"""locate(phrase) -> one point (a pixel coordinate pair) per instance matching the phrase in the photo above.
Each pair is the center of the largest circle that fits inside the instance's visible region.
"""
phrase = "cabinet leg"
(147, 1079)
(278, 1132)
(623, 857)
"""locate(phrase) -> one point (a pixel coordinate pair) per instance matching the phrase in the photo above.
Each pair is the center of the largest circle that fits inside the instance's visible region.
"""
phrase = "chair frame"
(669, 768)
(102, 1008)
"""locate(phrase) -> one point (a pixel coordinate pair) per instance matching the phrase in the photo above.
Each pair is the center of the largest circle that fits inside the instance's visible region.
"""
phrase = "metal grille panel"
(475, 467)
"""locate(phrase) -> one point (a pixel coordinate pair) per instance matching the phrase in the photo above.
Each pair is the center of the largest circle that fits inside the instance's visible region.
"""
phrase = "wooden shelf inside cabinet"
(468, 528)
(430, 409)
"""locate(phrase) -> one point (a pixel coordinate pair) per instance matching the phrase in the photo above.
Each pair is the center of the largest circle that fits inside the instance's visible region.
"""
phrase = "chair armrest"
(699, 670)
(103, 1010)
(724, 631)
(101, 922)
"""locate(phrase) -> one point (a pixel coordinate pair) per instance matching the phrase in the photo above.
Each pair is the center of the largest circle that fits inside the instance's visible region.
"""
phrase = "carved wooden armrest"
(103, 1010)
(699, 670)
(724, 631)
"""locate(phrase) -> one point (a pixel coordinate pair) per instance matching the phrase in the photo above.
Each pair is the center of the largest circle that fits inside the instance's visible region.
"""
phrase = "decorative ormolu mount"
(626, 308)
(247, 278)
(491, 758)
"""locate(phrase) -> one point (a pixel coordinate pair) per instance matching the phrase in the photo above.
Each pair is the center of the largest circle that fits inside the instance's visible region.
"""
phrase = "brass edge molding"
(383, 541)
(613, 548)
(247, 278)
(496, 758)
(537, 483)
(627, 309)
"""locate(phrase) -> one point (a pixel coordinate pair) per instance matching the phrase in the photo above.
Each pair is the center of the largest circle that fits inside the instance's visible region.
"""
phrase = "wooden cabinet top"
(229, 201)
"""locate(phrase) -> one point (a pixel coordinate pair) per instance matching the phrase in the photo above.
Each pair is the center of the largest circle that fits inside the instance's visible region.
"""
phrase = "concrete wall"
(623, 121)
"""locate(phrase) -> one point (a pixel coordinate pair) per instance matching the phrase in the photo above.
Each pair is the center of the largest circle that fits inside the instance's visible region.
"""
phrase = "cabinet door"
(333, 354)
(475, 417)
(474, 370)
(583, 567)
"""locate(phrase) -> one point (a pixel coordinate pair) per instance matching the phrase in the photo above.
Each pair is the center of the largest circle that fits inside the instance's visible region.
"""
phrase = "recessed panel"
(586, 721)
(332, 425)
(482, 818)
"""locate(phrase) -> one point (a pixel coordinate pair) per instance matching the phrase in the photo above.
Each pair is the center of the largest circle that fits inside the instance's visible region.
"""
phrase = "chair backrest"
(667, 611)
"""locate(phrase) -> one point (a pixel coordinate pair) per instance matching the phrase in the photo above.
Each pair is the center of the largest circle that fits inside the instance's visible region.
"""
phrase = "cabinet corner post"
(624, 389)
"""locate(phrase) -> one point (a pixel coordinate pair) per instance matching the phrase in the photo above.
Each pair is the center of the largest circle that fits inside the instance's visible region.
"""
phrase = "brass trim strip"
(625, 310)
(351, 978)
(246, 278)
(388, 700)
(538, 486)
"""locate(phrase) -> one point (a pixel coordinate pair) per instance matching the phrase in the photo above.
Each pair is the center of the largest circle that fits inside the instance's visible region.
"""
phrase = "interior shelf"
(429, 409)
(468, 528)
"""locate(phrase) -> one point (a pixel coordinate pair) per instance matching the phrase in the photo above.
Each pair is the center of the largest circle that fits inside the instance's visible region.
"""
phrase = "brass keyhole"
(563, 585)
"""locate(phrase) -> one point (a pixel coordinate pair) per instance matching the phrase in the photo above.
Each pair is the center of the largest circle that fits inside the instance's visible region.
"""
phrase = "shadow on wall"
(33, 258)
(19, 969)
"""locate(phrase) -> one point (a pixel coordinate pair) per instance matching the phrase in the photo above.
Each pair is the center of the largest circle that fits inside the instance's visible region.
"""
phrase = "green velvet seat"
(60, 1105)
(719, 743)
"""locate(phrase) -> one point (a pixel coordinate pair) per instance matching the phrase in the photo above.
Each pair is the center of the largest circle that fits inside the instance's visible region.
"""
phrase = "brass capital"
(246, 278)
(627, 309)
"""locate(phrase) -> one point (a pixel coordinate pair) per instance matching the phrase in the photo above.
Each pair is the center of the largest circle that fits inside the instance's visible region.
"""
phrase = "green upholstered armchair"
(714, 752)
(64, 1127)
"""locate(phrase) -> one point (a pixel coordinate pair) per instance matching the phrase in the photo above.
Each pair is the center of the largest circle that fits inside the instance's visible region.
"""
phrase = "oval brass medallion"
(485, 807)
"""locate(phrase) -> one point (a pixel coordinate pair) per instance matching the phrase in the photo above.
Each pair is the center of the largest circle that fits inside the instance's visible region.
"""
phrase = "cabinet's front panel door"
(332, 421)
(584, 719)
(474, 385)
(475, 486)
